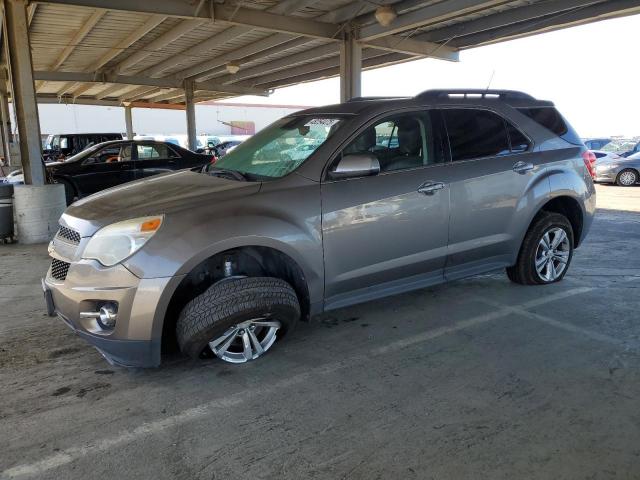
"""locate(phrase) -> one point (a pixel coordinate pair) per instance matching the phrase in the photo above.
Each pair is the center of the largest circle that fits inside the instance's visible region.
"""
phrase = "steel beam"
(245, 54)
(508, 17)
(410, 46)
(350, 68)
(168, 82)
(198, 50)
(91, 22)
(367, 64)
(578, 16)
(185, 26)
(279, 64)
(430, 14)
(191, 114)
(16, 26)
(222, 13)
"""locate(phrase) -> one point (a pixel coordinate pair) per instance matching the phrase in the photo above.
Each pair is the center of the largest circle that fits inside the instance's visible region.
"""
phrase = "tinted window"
(147, 152)
(475, 133)
(599, 154)
(550, 118)
(399, 142)
(110, 154)
(519, 143)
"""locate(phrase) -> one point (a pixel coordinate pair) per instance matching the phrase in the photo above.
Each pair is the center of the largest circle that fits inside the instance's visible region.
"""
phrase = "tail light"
(590, 162)
(213, 160)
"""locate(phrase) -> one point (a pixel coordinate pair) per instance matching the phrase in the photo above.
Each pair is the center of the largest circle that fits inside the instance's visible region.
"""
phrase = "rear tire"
(228, 308)
(538, 265)
(627, 178)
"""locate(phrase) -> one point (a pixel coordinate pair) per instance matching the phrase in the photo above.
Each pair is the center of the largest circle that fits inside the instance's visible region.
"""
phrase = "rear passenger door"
(155, 158)
(493, 173)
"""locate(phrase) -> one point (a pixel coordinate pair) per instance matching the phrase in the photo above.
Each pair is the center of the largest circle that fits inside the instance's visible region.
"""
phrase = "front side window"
(475, 133)
(399, 142)
(280, 148)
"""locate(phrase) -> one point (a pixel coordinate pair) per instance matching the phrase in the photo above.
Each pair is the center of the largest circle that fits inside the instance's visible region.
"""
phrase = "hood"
(160, 194)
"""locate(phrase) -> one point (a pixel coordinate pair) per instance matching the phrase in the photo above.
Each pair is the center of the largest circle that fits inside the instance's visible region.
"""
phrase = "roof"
(110, 52)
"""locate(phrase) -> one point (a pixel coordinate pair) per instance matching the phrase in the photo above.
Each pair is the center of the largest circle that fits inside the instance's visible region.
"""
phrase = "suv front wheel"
(546, 251)
(238, 319)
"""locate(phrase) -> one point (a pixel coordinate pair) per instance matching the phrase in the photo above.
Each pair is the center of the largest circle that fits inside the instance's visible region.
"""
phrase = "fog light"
(108, 316)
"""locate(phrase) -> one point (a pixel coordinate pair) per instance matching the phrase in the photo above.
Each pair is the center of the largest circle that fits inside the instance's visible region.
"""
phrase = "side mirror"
(357, 165)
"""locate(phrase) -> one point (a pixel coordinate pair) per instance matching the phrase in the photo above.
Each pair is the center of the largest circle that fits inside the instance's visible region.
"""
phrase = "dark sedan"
(112, 163)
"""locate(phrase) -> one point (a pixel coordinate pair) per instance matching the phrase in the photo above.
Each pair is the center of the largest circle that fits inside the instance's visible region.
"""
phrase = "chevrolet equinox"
(324, 208)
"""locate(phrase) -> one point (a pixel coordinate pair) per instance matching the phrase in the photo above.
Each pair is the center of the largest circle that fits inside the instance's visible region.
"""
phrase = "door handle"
(522, 167)
(429, 188)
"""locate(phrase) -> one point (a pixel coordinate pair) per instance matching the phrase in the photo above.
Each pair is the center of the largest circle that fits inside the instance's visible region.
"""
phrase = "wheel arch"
(570, 208)
(246, 260)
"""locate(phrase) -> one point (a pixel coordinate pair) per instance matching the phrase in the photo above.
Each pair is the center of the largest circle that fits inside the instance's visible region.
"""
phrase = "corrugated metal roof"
(55, 26)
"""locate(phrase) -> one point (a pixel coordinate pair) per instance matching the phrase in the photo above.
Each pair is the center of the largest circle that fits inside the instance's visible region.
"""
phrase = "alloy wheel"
(246, 341)
(552, 254)
(627, 178)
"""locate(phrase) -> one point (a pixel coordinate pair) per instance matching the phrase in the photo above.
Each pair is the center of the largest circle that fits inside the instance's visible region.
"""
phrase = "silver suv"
(325, 208)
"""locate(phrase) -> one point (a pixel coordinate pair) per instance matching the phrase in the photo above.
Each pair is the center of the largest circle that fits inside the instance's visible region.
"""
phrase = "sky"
(591, 72)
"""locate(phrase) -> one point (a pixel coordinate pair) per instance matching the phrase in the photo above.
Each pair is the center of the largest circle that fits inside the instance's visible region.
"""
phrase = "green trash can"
(6, 211)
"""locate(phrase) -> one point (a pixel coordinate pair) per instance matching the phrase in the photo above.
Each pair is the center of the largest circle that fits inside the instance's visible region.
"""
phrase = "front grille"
(59, 269)
(69, 235)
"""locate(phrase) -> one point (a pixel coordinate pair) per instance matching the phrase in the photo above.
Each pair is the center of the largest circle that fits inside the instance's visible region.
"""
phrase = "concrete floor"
(475, 379)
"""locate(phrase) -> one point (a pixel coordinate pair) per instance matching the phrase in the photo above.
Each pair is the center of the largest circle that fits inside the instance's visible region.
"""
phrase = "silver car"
(622, 171)
(398, 194)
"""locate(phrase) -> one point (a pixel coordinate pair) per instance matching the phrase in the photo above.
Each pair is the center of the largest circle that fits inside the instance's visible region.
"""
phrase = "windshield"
(83, 153)
(280, 148)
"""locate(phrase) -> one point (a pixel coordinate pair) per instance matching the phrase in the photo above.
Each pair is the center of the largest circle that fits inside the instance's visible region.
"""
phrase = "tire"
(231, 303)
(524, 271)
(627, 178)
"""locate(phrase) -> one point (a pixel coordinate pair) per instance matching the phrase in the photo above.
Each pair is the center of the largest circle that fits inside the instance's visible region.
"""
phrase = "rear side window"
(475, 134)
(519, 143)
(550, 118)
(599, 154)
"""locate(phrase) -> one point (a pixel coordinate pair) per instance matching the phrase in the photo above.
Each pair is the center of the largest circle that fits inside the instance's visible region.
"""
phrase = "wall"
(211, 118)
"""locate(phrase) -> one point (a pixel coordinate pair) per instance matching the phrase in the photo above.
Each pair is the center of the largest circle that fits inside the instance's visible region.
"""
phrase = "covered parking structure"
(174, 53)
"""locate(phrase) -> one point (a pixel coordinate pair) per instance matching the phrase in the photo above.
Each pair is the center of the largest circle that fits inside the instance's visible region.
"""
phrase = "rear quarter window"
(550, 118)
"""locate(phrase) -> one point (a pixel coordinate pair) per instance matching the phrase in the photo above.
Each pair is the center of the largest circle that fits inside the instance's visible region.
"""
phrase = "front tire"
(546, 251)
(238, 320)
(627, 178)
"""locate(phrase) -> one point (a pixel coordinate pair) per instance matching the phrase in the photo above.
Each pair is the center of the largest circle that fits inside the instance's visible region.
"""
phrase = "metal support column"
(23, 90)
(191, 114)
(5, 122)
(128, 120)
(350, 67)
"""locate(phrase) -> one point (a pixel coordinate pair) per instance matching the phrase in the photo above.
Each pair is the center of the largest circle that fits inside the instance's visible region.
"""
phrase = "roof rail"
(475, 93)
(364, 99)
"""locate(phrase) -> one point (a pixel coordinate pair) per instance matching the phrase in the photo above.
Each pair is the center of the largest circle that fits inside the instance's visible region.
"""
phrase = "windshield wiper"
(223, 172)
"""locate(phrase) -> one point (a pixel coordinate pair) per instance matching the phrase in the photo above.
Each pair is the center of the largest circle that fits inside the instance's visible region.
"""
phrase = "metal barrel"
(6, 210)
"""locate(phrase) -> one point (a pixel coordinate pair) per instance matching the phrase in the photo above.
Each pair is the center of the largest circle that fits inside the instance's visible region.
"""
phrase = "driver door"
(384, 233)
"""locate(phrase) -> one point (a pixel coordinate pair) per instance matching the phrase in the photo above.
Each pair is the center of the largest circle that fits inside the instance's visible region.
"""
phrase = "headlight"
(118, 241)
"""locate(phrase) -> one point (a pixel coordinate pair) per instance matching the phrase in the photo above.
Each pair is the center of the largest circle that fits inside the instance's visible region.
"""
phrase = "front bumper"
(135, 341)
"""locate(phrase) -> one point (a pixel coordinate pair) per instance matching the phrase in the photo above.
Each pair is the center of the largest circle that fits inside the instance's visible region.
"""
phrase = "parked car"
(602, 156)
(622, 171)
(60, 146)
(222, 148)
(633, 151)
(397, 195)
(112, 163)
(596, 143)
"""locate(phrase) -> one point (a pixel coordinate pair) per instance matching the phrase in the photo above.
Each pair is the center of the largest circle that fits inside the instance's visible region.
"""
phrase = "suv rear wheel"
(546, 251)
(238, 319)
